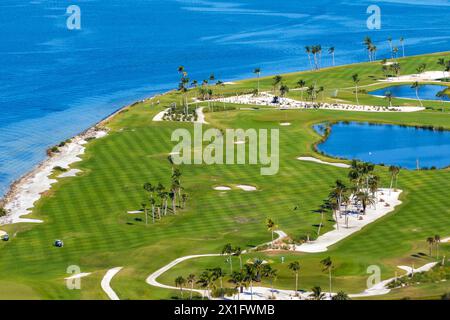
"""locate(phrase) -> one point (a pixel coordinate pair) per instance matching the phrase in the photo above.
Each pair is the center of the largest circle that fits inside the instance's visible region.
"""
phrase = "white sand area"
(356, 221)
(106, 283)
(70, 173)
(335, 164)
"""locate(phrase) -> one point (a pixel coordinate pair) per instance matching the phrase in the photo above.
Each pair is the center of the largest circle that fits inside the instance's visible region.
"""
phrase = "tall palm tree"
(327, 265)
(271, 274)
(257, 71)
(301, 84)
(295, 268)
(356, 81)
(180, 282)
(237, 251)
(368, 43)
(395, 52)
(402, 42)
(228, 250)
(416, 87)
(271, 226)
(388, 95)
(331, 51)
(394, 170)
(206, 280)
(308, 51)
(396, 68)
(144, 206)
(317, 294)
(250, 276)
(191, 280)
(239, 280)
(390, 46)
(430, 241)
(366, 199)
(441, 62)
(276, 83)
(437, 241)
(218, 274)
(284, 89)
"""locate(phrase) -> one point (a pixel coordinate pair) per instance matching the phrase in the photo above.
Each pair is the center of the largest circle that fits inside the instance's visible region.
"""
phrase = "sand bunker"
(222, 188)
(285, 124)
(70, 173)
(135, 212)
(246, 188)
(334, 164)
(78, 276)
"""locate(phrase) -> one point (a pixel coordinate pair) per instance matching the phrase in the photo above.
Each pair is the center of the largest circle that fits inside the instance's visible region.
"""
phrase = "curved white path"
(106, 283)
(200, 115)
(151, 279)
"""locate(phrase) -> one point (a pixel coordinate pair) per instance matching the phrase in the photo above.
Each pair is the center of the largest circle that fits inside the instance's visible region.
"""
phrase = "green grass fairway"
(88, 212)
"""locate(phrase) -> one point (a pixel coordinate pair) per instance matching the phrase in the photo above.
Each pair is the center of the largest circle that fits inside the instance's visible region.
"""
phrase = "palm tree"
(144, 206)
(180, 282)
(390, 46)
(301, 84)
(394, 170)
(308, 51)
(366, 199)
(416, 87)
(402, 42)
(317, 294)
(184, 198)
(368, 43)
(430, 241)
(331, 51)
(237, 251)
(396, 68)
(395, 52)
(257, 71)
(250, 276)
(339, 190)
(276, 82)
(310, 91)
(327, 265)
(191, 280)
(239, 280)
(441, 62)
(218, 274)
(206, 280)
(437, 241)
(295, 268)
(228, 250)
(341, 295)
(388, 95)
(356, 80)
(271, 274)
(283, 90)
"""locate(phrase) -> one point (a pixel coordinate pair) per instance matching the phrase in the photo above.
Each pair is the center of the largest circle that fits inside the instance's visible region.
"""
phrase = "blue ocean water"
(388, 144)
(56, 82)
(425, 92)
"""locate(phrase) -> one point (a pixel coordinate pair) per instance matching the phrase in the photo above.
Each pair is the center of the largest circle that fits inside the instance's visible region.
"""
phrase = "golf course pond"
(407, 147)
(426, 92)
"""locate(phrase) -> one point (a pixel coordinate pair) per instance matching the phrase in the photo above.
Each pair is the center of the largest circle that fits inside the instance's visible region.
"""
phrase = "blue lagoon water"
(388, 144)
(426, 92)
(56, 82)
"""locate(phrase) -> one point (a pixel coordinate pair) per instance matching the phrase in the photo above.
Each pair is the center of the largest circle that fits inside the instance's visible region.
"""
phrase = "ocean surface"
(56, 82)
(388, 144)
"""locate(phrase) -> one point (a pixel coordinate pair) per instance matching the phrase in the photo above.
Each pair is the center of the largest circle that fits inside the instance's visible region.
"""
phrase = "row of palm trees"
(159, 196)
(433, 242)
(255, 270)
(372, 49)
(316, 52)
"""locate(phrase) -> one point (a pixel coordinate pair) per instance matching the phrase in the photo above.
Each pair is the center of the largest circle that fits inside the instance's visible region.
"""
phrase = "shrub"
(3, 212)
